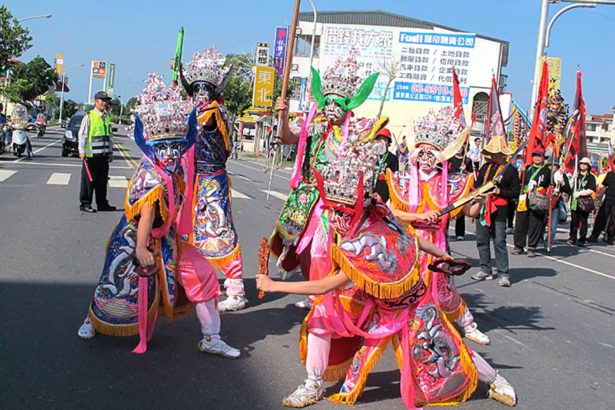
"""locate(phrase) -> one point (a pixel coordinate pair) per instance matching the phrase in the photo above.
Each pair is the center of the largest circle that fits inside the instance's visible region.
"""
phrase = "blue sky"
(139, 36)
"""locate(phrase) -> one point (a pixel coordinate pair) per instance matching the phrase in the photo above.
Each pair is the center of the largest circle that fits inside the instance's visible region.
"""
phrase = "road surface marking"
(125, 154)
(118, 181)
(239, 195)
(38, 150)
(4, 174)
(240, 176)
(574, 265)
(512, 339)
(275, 194)
(606, 345)
(59, 178)
(77, 165)
(259, 170)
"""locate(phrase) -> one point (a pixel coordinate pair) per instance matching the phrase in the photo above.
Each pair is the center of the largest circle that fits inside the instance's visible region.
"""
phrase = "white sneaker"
(304, 304)
(308, 393)
(502, 391)
(233, 303)
(214, 345)
(86, 330)
(472, 333)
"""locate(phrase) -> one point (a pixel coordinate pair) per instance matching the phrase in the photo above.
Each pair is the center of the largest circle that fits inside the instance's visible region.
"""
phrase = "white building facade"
(424, 53)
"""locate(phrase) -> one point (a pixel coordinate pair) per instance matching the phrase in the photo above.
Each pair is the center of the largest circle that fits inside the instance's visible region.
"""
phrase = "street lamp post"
(544, 35)
(63, 85)
(309, 84)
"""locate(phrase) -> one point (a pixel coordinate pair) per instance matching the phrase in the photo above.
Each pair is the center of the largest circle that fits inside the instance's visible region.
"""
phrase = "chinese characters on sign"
(262, 54)
(263, 87)
(373, 45)
(99, 69)
(279, 49)
(426, 60)
(555, 71)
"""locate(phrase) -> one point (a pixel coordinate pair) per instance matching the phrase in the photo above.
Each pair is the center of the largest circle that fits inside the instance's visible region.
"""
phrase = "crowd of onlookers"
(542, 197)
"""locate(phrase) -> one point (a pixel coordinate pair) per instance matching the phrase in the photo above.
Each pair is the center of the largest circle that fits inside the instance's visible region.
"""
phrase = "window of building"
(302, 45)
(591, 127)
(480, 104)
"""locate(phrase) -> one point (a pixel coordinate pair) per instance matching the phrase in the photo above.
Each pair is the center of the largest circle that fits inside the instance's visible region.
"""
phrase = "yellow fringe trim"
(351, 398)
(223, 261)
(215, 111)
(453, 316)
(123, 330)
(396, 200)
(156, 195)
(377, 289)
(466, 191)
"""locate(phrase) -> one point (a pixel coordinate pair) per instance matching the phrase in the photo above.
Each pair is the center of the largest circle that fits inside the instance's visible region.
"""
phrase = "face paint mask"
(168, 155)
(426, 159)
(333, 111)
(204, 91)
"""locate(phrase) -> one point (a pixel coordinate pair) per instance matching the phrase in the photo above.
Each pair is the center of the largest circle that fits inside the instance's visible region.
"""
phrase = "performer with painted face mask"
(424, 188)
(142, 270)
(296, 240)
(375, 293)
(213, 232)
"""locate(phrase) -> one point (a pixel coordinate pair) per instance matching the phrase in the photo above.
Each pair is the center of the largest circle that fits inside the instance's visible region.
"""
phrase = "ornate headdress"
(441, 130)
(351, 176)
(162, 116)
(342, 79)
(206, 66)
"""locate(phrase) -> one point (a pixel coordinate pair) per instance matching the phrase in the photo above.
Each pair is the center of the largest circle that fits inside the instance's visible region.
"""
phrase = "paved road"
(552, 332)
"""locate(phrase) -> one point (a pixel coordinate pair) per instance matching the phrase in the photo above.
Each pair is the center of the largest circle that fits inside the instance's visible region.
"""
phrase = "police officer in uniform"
(96, 152)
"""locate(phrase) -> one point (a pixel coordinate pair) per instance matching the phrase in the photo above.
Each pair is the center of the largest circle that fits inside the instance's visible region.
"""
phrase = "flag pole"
(285, 78)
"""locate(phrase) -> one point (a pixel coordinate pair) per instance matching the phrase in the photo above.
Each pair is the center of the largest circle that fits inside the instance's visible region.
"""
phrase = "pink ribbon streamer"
(296, 175)
(142, 316)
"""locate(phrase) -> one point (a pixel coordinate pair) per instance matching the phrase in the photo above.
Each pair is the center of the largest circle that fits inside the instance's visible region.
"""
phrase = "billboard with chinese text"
(262, 96)
(279, 49)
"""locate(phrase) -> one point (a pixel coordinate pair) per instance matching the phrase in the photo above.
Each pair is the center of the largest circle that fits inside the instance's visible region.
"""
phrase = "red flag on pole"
(577, 144)
(538, 133)
(458, 100)
(494, 124)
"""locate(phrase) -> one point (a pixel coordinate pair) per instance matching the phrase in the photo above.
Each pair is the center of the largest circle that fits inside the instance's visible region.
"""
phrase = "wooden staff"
(287, 67)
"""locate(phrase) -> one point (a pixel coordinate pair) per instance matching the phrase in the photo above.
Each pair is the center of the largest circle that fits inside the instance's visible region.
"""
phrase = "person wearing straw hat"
(491, 223)
(582, 205)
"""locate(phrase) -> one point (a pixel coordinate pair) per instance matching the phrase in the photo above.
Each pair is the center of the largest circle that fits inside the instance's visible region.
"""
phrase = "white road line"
(574, 265)
(59, 178)
(275, 194)
(606, 345)
(240, 176)
(512, 339)
(118, 181)
(38, 150)
(239, 195)
(78, 165)
(601, 253)
(5, 174)
(262, 170)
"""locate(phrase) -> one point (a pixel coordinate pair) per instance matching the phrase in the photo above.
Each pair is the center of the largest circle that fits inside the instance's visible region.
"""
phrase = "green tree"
(130, 105)
(14, 39)
(52, 101)
(238, 91)
(116, 106)
(70, 107)
(31, 80)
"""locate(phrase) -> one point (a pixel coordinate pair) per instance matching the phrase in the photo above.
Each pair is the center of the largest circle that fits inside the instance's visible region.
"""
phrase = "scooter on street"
(41, 125)
(21, 143)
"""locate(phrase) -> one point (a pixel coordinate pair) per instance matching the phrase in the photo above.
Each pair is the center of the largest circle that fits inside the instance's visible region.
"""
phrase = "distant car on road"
(70, 141)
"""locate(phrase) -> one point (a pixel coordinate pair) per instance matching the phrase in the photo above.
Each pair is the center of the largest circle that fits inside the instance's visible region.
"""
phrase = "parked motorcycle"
(5, 142)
